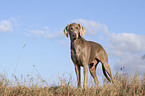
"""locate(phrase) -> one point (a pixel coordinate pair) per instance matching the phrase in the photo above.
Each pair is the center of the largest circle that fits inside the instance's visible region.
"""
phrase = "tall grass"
(127, 85)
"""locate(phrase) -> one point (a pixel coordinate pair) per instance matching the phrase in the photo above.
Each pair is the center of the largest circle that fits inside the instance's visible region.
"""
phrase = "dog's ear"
(65, 31)
(82, 30)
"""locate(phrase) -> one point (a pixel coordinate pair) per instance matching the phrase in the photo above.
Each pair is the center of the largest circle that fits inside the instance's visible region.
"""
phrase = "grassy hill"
(127, 85)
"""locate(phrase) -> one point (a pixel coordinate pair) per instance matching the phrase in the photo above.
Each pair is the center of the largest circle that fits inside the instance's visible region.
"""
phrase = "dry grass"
(127, 85)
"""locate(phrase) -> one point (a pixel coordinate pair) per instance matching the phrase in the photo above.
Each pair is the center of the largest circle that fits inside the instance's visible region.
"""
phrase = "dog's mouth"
(74, 37)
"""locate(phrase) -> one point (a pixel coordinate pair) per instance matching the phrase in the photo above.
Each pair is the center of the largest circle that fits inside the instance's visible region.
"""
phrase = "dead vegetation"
(127, 85)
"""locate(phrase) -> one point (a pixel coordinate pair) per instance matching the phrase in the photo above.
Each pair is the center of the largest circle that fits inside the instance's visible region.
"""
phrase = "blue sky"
(118, 25)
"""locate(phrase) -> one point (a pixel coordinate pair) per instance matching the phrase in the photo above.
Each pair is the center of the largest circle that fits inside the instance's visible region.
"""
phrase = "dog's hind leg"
(92, 68)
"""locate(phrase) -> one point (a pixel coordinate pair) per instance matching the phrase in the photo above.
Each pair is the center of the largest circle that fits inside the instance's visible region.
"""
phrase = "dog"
(86, 54)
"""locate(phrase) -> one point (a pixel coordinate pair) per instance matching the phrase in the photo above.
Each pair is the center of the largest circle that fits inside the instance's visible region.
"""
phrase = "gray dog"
(86, 54)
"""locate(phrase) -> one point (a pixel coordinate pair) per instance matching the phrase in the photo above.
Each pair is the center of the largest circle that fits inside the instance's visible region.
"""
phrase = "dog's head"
(74, 30)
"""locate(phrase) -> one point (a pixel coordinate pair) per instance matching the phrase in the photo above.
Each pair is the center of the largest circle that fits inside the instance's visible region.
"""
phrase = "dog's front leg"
(78, 73)
(85, 76)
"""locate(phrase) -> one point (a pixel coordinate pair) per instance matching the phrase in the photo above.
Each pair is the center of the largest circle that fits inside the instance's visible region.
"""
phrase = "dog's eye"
(77, 28)
(71, 29)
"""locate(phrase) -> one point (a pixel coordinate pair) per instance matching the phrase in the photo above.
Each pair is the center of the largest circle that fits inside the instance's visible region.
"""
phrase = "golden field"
(127, 85)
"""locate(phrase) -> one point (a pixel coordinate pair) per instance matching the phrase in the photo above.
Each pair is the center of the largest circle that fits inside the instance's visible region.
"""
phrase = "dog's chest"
(76, 55)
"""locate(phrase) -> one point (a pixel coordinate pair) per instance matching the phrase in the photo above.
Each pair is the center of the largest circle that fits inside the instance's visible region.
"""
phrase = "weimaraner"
(86, 54)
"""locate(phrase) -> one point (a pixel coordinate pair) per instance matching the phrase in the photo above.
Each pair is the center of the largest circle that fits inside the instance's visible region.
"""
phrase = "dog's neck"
(77, 41)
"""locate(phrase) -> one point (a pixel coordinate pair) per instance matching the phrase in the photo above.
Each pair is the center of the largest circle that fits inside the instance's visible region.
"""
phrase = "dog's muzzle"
(74, 36)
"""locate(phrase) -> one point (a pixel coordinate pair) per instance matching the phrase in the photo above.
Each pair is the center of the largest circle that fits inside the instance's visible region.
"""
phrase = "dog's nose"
(74, 34)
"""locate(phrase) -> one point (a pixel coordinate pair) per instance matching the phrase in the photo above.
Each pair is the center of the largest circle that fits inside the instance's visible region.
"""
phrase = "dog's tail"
(105, 73)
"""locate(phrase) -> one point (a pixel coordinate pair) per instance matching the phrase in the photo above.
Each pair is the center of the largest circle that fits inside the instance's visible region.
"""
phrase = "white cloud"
(5, 26)
(44, 32)
(128, 48)
(92, 27)
(126, 43)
